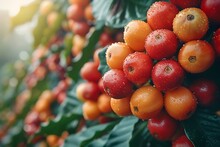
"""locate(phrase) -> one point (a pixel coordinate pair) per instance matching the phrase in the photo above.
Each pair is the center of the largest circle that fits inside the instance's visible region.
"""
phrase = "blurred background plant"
(14, 43)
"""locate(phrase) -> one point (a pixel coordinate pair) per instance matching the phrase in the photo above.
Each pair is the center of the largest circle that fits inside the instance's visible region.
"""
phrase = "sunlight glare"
(13, 6)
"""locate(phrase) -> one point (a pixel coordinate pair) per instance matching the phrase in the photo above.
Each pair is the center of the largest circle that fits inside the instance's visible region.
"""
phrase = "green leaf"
(140, 134)
(122, 132)
(87, 135)
(61, 122)
(117, 13)
(203, 128)
(101, 9)
(68, 105)
(87, 52)
(129, 132)
(103, 67)
(25, 14)
(39, 29)
(100, 142)
(14, 136)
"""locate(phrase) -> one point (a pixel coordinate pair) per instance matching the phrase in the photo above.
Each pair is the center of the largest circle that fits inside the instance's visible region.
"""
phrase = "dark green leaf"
(122, 132)
(87, 52)
(14, 136)
(140, 134)
(68, 105)
(103, 67)
(117, 13)
(25, 14)
(203, 128)
(101, 9)
(87, 135)
(59, 124)
(100, 142)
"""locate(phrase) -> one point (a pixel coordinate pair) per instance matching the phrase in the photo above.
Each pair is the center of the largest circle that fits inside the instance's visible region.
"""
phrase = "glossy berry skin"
(121, 107)
(91, 91)
(212, 10)
(190, 24)
(101, 87)
(182, 141)
(205, 91)
(135, 33)
(186, 3)
(104, 103)
(90, 72)
(162, 127)
(180, 103)
(216, 42)
(116, 54)
(161, 14)
(116, 84)
(90, 110)
(146, 102)
(196, 56)
(137, 67)
(167, 74)
(161, 44)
